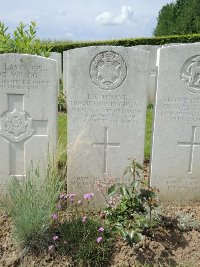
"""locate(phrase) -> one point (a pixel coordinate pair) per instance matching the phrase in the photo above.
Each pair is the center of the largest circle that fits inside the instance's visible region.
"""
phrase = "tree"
(181, 17)
(165, 20)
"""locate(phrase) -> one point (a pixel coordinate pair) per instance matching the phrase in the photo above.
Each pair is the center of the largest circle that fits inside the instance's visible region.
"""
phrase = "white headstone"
(151, 90)
(171, 44)
(175, 167)
(58, 58)
(106, 96)
(28, 113)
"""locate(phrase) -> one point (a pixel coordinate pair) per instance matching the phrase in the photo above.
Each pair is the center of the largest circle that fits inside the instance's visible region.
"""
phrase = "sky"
(86, 20)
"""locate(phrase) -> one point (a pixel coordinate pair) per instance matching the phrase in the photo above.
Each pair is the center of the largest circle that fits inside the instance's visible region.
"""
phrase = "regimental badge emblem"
(108, 70)
(16, 125)
(190, 74)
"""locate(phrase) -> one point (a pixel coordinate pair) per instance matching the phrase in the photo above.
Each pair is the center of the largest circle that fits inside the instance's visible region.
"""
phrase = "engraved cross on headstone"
(17, 126)
(105, 145)
(191, 145)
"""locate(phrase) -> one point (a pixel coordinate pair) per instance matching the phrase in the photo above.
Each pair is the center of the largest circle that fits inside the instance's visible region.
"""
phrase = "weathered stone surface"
(171, 44)
(58, 57)
(175, 167)
(106, 96)
(28, 113)
(152, 72)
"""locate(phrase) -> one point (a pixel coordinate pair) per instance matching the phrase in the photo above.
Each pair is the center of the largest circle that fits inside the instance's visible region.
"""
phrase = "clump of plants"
(44, 218)
(131, 206)
(23, 40)
(30, 202)
(78, 231)
(62, 105)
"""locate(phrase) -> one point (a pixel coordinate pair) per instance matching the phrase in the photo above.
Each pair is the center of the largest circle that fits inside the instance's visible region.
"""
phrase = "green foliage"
(65, 45)
(62, 143)
(181, 17)
(5, 39)
(30, 203)
(148, 131)
(79, 232)
(62, 105)
(166, 20)
(81, 242)
(134, 212)
(23, 40)
(186, 222)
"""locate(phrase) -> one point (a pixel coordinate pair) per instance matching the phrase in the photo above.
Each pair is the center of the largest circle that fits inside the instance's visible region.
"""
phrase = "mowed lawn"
(148, 133)
(62, 133)
(62, 137)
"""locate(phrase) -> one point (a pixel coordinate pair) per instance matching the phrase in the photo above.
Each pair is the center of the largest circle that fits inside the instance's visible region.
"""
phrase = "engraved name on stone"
(179, 183)
(112, 109)
(108, 70)
(22, 77)
(180, 108)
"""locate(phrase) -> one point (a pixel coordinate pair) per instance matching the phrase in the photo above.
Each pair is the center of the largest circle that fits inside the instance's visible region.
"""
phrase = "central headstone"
(106, 95)
(28, 113)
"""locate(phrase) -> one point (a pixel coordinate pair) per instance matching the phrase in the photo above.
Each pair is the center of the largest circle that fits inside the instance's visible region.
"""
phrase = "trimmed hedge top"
(66, 45)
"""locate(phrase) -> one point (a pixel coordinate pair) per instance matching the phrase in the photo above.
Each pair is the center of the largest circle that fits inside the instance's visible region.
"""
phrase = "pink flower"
(55, 237)
(71, 197)
(99, 239)
(101, 229)
(63, 197)
(55, 216)
(84, 219)
(51, 248)
(88, 196)
(59, 206)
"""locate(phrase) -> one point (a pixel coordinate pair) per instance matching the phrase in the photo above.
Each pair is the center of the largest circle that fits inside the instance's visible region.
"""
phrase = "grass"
(62, 138)
(62, 129)
(148, 132)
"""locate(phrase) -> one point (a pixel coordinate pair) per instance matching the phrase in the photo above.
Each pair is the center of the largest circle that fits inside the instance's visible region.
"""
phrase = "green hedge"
(63, 46)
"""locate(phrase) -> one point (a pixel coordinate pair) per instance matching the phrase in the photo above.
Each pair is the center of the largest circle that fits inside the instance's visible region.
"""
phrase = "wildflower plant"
(131, 206)
(30, 203)
(79, 231)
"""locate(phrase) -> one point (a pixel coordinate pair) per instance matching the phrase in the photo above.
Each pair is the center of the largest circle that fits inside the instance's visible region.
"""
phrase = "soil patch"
(167, 246)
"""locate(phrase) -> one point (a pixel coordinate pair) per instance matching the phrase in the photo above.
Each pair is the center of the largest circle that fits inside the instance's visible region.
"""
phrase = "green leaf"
(138, 174)
(123, 191)
(139, 166)
(112, 190)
